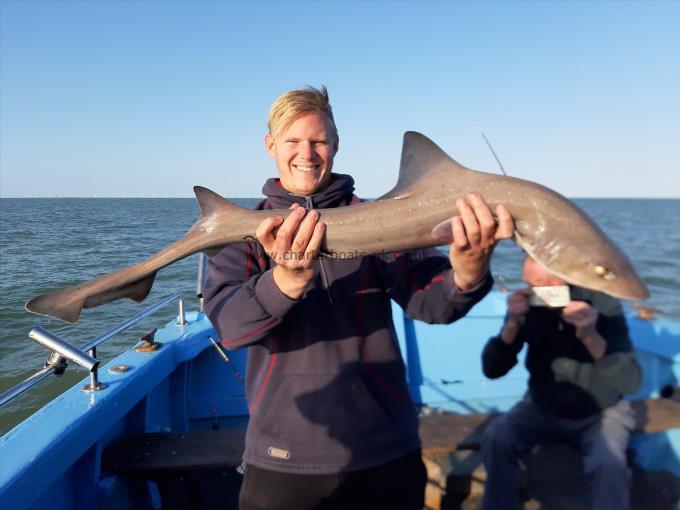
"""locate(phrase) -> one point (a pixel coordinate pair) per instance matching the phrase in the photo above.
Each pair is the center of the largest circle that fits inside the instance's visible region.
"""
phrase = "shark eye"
(604, 273)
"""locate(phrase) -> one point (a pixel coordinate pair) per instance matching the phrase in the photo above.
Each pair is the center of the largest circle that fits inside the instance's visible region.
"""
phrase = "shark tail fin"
(210, 202)
(66, 304)
(133, 282)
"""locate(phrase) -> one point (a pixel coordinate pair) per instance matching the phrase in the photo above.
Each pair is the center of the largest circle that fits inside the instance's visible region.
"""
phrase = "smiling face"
(304, 153)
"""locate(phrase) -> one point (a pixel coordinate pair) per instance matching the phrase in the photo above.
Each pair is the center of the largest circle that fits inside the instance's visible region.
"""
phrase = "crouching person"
(580, 362)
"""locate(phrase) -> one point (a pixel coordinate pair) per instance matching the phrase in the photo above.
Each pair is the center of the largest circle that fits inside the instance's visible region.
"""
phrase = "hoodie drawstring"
(309, 205)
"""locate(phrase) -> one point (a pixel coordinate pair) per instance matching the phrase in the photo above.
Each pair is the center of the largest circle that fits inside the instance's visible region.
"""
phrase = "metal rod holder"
(56, 362)
(62, 347)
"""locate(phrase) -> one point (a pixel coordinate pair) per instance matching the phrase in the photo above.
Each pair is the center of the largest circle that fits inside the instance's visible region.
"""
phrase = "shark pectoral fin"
(443, 232)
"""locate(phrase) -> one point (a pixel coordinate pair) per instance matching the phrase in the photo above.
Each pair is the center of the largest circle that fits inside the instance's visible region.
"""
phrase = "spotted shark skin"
(416, 213)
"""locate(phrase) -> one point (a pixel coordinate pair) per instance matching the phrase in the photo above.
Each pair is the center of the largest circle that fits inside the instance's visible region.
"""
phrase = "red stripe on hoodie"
(270, 369)
(255, 332)
(249, 264)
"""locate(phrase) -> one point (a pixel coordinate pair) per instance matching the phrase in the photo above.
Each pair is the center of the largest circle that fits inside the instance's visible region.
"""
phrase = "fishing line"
(479, 128)
(226, 359)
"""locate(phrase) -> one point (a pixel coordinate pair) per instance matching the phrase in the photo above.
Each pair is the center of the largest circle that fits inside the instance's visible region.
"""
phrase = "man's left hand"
(475, 234)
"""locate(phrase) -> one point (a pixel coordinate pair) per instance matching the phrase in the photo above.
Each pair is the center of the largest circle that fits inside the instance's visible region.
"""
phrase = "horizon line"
(165, 196)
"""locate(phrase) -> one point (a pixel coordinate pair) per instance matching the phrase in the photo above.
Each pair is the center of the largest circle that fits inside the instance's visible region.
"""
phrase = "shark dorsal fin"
(210, 202)
(421, 161)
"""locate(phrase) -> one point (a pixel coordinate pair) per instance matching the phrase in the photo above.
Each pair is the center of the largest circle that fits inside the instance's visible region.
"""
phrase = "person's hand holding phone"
(518, 306)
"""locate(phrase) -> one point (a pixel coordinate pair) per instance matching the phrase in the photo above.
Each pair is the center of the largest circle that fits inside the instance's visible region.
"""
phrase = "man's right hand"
(518, 307)
(294, 248)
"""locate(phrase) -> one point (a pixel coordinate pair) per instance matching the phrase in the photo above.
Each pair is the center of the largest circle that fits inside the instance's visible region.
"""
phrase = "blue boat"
(161, 425)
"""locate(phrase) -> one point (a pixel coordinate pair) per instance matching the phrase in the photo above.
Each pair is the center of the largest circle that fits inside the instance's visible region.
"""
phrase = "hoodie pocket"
(320, 421)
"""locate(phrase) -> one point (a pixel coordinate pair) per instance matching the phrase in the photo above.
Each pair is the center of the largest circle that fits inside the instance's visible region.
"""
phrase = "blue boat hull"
(55, 456)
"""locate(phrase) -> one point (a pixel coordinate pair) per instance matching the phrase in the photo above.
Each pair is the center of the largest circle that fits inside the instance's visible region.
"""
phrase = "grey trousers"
(602, 438)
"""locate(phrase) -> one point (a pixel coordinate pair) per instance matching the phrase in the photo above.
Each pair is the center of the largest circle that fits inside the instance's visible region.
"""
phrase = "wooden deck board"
(451, 431)
(655, 415)
(554, 478)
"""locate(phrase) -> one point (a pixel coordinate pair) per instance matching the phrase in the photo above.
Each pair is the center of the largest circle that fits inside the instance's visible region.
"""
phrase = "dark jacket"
(565, 380)
(326, 382)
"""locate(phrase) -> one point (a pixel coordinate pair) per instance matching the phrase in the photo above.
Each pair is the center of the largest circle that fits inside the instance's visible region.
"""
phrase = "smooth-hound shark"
(414, 214)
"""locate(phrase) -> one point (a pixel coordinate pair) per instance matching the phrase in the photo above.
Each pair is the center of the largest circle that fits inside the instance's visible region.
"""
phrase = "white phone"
(555, 296)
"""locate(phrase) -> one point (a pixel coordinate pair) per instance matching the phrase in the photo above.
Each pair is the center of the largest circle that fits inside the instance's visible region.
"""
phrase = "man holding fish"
(331, 421)
(326, 384)
(580, 362)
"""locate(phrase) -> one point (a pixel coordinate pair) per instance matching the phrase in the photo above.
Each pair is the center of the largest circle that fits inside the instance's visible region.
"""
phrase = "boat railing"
(86, 356)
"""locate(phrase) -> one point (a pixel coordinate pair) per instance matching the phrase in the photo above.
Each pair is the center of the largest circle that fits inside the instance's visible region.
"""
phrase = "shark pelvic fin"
(210, 202)
(137, 291)
(422, 163)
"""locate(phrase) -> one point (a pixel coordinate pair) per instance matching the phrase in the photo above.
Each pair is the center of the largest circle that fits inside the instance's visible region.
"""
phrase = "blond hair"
(290, 105)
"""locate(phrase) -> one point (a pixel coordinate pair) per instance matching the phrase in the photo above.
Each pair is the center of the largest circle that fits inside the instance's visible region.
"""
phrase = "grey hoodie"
(325, 380)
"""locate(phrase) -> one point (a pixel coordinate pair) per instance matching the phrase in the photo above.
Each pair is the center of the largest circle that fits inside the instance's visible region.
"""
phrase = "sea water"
(51, 243)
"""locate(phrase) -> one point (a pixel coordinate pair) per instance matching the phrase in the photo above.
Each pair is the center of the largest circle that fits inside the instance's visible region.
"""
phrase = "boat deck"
(195, 469)
(553, 480)
(552, 475)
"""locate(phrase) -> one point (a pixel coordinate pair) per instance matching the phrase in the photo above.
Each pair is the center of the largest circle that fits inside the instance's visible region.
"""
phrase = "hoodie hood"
(339, 192)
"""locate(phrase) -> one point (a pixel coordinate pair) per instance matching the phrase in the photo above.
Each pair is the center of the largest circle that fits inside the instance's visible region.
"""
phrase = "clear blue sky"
(142, 98)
